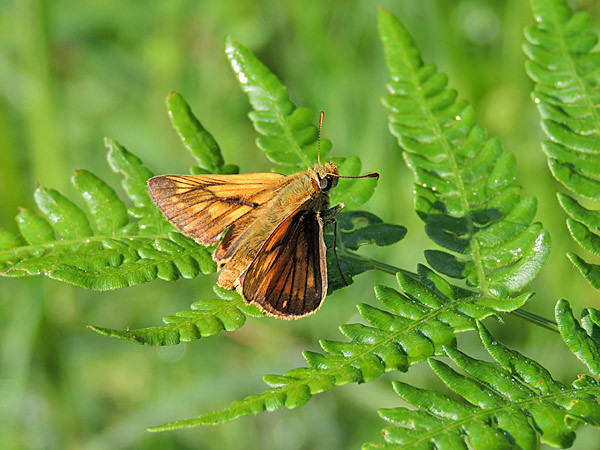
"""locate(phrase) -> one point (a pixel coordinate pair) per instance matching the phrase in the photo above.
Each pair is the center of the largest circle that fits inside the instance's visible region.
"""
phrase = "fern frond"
(566, 74)
(201, 144)
(416, 324)
(465, 189)
(205, 318)
(112, 251)
(510, 403)
(288, 135)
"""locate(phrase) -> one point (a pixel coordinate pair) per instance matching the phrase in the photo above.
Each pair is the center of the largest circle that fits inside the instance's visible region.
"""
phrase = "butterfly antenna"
(367, 175)
(322, 116)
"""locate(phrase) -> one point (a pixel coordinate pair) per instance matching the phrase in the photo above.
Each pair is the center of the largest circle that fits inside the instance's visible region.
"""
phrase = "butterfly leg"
(329, 217)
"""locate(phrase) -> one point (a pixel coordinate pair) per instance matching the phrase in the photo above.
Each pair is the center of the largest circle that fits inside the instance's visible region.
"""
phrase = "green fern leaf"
(565, 73)
(509, 403)
(201, 144)
(465, 190)
(111, 251)
(288, 135)
(583, 340)
(135, 176)
(416, 324)
(205, 318)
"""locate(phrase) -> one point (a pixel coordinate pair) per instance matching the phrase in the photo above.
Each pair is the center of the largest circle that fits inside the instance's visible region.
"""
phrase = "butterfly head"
(326, 176)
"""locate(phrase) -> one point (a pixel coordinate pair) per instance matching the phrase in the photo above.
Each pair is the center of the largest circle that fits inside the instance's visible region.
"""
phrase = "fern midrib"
(493, 411)
(381, 266)
(462, 192)
(201, 314)
(60, 245)
(413, 325)
(581, 85)
(290, 137)
(142, 263)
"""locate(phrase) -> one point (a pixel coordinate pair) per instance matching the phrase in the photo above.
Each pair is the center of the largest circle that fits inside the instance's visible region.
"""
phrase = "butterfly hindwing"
(203, 206)
(288, 278)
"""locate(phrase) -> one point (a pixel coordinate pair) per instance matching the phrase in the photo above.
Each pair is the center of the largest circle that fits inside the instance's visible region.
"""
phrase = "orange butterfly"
(273, 251)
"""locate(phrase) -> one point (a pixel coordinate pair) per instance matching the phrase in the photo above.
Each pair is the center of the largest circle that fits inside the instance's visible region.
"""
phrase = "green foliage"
(152, 248)
(509, 404)
(583, 340)
(416, 324)
(201, 144)
(465, 190)
(112, 251)
(467, 197)
(474, 209)
(205, 318)
(565, 72)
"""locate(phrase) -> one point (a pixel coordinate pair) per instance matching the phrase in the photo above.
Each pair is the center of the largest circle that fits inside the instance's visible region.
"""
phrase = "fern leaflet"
(205, 318)
(465, 189)
(565, 72)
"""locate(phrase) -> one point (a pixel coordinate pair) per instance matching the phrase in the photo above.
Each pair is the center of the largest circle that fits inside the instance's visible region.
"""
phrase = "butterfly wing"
(288, 278)
(203, 206)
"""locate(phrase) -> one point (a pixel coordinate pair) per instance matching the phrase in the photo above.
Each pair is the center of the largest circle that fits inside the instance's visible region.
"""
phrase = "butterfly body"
(272, 249)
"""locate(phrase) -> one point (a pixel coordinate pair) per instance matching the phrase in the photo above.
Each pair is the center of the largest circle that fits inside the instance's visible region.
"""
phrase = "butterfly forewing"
(203, 206)
(288, 278)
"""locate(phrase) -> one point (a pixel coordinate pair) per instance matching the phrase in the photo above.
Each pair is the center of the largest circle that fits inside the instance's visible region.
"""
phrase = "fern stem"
(383, 267)
(536, 319)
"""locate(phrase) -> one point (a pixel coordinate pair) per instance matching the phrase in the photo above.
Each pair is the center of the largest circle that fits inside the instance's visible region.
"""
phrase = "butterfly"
(270, 228)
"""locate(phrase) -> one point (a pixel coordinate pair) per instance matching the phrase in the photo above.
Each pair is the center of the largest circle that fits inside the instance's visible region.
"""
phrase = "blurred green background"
(72, 72)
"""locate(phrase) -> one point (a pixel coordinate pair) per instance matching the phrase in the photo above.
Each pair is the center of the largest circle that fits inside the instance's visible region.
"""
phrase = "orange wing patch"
(203, 206)
(288, 278)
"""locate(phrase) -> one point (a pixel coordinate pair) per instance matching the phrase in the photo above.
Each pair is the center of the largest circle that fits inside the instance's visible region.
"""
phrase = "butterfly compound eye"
(326, 183)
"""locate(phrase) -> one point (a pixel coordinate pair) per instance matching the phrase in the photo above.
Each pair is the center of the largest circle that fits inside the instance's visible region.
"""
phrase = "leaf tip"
(229, 42)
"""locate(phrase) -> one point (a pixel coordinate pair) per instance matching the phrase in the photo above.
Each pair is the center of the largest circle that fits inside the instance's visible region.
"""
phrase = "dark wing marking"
(203, 206)
(288, 278)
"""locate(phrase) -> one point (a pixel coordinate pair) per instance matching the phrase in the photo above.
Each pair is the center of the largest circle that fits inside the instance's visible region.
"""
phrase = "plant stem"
(538, 320)
(523, 314)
